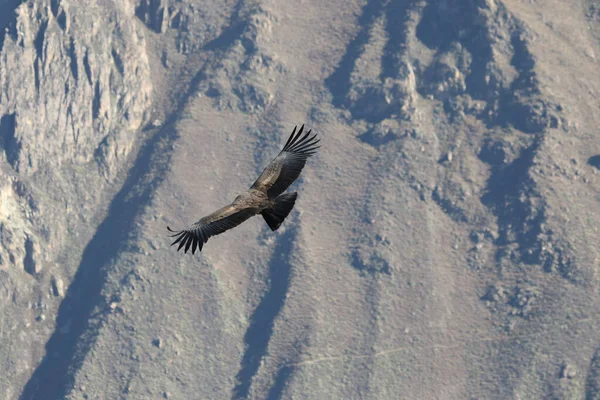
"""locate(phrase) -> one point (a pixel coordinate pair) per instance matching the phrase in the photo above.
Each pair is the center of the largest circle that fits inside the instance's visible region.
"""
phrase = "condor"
(265, 197)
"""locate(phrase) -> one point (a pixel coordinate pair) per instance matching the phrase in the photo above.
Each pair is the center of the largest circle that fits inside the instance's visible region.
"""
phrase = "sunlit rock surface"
(444, 244)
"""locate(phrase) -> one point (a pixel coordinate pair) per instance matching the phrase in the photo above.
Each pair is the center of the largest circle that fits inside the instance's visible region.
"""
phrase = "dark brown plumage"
(264, 197)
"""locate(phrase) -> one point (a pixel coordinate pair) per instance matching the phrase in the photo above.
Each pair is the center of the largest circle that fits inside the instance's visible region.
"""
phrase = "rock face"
(72, 97)
(75, 88)
(444, 244)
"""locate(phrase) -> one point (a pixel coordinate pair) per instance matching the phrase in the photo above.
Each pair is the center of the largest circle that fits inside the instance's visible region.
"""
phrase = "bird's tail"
(282, 206)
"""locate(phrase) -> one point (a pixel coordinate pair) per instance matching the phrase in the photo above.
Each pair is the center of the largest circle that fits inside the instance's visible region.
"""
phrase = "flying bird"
(264, 197)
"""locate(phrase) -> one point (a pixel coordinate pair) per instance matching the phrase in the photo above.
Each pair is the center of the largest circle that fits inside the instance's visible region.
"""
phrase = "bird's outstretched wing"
(286, 167)
(218, 222)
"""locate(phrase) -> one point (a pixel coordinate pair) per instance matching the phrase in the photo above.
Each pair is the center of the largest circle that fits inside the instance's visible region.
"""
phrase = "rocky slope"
(444, 241)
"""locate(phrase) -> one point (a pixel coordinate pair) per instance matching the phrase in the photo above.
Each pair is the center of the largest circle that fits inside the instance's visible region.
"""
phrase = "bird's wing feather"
(213, 224)
(286, 167)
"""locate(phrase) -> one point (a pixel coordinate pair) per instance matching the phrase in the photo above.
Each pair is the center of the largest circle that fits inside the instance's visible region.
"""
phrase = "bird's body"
(253, 199)
(265, 197)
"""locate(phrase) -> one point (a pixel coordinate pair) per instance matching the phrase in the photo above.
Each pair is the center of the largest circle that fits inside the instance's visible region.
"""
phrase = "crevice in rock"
(62, 20)
(376, 138)
(594, 161)
(28, 261)
(521, 104)
(8, 140)
(54, 6)
(39, 49)
(36, 74)
(87, 67)
(96, 101)
(259, 332)
(73, 64)
(152, 14)
(224, 41)
(231, 33)
(592, 381)
(505, 187)
(118, 62)
(39, 40)
(281, 379)
(508, 194)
